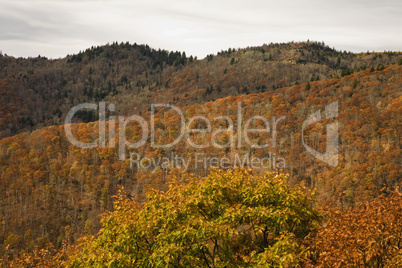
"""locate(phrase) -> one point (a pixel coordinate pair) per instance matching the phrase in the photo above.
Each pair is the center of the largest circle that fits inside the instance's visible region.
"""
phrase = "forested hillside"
(38, 92)
(52, 192)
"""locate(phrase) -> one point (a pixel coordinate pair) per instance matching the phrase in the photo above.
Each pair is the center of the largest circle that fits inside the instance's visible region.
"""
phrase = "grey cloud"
(198, 27)
(14, 28)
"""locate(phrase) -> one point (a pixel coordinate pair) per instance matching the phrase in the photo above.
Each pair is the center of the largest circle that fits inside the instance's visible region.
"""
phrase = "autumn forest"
(221, 196)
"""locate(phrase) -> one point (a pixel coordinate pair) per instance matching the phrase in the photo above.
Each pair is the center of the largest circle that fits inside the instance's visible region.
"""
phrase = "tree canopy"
(227, 219)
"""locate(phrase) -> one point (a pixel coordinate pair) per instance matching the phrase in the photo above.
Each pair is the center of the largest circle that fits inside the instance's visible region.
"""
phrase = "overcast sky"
(55, 28)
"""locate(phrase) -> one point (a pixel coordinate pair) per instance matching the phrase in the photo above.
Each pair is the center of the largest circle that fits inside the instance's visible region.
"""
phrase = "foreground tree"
(228, 219)
(368, 235)
(46, 257)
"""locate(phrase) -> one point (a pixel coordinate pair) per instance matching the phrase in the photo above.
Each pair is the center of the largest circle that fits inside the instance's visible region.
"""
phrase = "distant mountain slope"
(134, 76)
(51, 190)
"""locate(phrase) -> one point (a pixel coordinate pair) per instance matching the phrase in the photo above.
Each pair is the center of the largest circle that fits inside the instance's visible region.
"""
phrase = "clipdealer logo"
(331, 153)
(242, 134)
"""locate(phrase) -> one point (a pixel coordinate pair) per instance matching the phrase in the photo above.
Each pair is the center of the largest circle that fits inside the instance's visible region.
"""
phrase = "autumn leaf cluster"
(228, 219)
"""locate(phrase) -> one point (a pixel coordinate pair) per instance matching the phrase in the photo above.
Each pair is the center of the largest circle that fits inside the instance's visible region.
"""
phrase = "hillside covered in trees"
(38, 92)
(52, 192)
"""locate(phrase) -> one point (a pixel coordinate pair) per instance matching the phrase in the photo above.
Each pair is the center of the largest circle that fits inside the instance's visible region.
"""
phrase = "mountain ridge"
(136, 75)
(52, 191)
